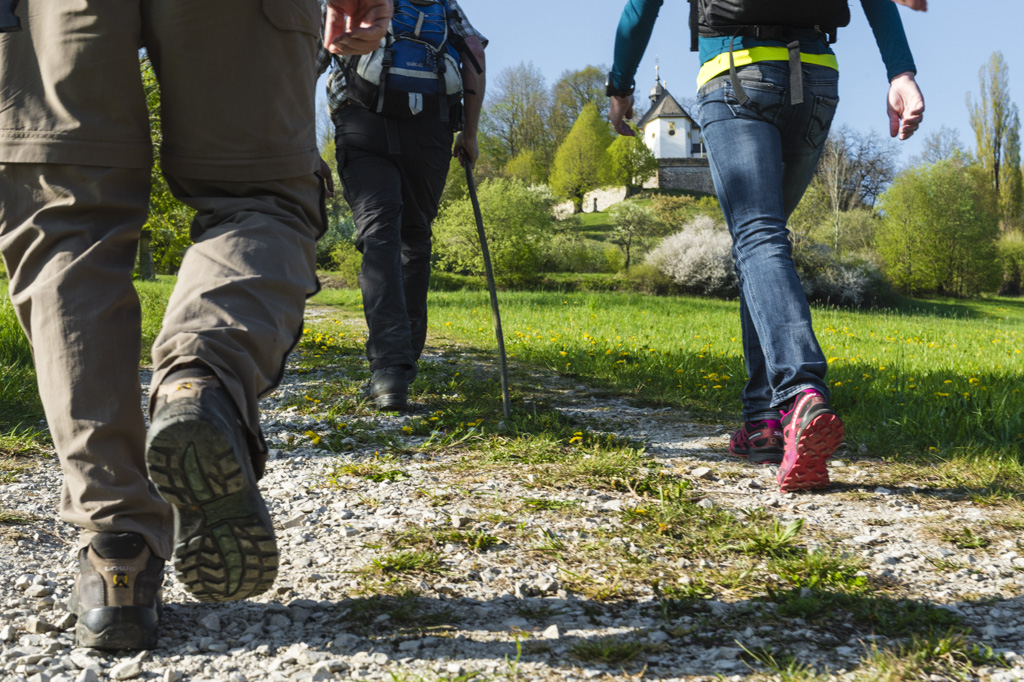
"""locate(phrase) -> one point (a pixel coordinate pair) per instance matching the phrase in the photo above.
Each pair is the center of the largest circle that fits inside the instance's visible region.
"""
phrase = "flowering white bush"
(844, 282)
(698, 258)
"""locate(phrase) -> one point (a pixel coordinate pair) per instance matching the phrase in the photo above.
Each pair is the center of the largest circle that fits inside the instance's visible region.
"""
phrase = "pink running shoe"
(812, 431)
(758, 442)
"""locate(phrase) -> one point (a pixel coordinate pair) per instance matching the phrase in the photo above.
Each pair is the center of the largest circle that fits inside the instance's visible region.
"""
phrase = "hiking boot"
(812, 431)
(389, 388)
(117, 593)
(196, 452)
(758, 442)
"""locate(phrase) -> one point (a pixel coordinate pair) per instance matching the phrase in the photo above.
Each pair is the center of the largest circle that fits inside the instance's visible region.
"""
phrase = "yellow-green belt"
(765, 53)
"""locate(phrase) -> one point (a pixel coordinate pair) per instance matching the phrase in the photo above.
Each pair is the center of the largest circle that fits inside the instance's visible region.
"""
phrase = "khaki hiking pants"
(237, 84)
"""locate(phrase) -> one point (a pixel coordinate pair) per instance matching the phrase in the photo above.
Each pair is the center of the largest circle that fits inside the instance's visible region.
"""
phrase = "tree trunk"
(146, 271)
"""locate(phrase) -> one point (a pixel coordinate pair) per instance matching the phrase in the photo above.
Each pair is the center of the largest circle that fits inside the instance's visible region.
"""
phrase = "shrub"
(338, 231)
(1011, 258)
(673, 210)
(347, 262)
(646, 279)
(518, 224)
(698, 259)
(676, 211)
(572, 253)
(827, 278)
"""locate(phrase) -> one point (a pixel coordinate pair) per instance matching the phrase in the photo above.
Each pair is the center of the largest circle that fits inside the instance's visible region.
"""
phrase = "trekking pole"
(8, 19)
(505, 402)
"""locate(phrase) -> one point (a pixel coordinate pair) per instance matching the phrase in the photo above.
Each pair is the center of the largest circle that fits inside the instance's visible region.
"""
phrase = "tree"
(632, 162)
(1011, 199)
(635, 227)
(341, 227)
(940, 145)
(938, 232)
(518, 220)
(853, 171)
(527, 166)
(996, 126)
(573, 91)
(516, 118)
(582, 162)
(165, 236)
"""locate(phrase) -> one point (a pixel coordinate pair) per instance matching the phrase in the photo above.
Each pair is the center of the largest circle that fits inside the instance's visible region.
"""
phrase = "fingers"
(328, 176)
(919, 5)
(623, 128)
(621, 108)
(356, 27)
(894, 123)
(906, 106)
(911, 121)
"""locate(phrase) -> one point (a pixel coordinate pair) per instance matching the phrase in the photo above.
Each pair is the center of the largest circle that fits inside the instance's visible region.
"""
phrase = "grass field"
(20, 409)
(933, 378)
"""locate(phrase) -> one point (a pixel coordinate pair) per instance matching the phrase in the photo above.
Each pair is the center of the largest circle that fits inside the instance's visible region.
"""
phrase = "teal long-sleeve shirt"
(638, 18)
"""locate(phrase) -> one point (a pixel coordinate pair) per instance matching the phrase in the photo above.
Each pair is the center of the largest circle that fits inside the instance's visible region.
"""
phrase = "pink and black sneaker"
(758, 442)
(812, 431)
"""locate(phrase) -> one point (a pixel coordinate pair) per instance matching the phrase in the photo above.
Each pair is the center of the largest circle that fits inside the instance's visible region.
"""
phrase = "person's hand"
(356, 26)
(906, 106)
(466, 149)
(328, 176)
(919, 5)
(621, 108)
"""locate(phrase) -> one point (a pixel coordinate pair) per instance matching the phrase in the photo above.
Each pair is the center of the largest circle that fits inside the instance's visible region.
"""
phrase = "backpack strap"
(387, 59)
(694, 27)
(459, 43)
(441, 67)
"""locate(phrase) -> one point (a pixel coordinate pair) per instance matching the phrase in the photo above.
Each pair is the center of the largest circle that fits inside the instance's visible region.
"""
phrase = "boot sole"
(224, 540)
(805, 467)
(117, 628)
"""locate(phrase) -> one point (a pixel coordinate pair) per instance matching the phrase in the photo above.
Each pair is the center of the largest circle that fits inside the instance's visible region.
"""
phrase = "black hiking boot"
(389, 388)
(198, 458)
(117, 593)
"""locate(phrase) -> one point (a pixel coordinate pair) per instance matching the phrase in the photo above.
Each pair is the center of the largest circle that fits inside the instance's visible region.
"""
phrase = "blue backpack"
(415, 70)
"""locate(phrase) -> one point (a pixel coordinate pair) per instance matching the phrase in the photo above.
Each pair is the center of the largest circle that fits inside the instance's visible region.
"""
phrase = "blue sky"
(561, 34)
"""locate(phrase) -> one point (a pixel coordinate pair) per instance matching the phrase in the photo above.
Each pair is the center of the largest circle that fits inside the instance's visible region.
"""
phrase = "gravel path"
(503, 613)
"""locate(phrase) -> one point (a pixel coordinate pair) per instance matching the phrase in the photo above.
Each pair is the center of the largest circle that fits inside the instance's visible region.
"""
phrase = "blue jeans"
(763, 154)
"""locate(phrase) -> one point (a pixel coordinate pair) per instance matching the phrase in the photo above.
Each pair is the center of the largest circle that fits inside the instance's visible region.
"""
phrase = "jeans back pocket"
(821, 120)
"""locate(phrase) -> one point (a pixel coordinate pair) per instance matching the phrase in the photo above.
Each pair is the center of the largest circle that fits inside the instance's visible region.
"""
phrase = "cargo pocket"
(304, 16)
(821, 120)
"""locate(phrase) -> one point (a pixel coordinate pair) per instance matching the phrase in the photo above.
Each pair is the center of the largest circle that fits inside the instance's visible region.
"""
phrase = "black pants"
(394, 199)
